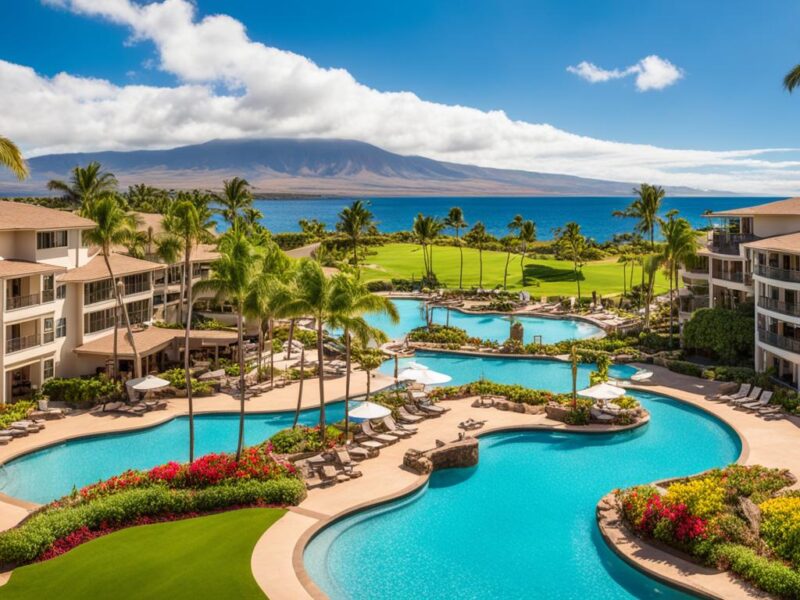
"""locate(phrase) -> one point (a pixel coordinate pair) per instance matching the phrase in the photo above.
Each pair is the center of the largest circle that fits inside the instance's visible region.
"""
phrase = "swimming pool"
(520, 524)
(553, 375)
(485, 326)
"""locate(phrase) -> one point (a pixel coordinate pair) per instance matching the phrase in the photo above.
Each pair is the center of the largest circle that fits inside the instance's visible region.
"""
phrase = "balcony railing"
(48, 336)
(723, 242)
(694, 303)
(15, 302)
(779, 341)
(786, 308)
(137, 287)
(48, 296)
(21, 343)
(777, 273)
(733, 276)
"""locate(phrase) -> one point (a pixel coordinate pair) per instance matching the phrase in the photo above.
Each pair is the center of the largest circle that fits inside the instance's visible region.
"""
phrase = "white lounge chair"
(760, 403)
(379, 437)
(742, 392)
(393, 429)
(751, 397)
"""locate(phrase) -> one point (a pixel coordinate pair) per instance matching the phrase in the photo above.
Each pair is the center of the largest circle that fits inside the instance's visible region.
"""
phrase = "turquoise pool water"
(521, 524)
(487, 327)
(50, 473)
(544, 374)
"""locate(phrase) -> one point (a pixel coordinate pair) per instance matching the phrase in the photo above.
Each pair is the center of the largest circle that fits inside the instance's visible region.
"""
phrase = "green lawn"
(206, 557)
(556, 277)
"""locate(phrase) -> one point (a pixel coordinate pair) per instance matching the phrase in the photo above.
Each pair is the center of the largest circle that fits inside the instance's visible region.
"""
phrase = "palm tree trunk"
(430, 261)
(290, 340)
(271, 330)
(260, 350)
(578, 281)
(461, 263)
(321, 367)
(137, 365)
(187, 267)
(347, 359)
(505, 273)
(115, 351)
(180, 301)
(480, 268)
(240, 444)
(369, 373)
(300, 389)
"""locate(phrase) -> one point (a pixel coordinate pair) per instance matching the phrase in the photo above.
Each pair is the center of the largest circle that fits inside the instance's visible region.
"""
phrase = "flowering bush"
(514, 393)
(305, 439)
(704, 497)
(657, 516)
(780, 527)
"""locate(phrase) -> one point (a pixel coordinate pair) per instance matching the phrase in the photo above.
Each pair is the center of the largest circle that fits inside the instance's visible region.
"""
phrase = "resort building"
(59, 308)
(753, 254)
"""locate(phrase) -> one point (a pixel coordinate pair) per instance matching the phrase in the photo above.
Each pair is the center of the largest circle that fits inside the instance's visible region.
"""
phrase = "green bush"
(14, 412)
(438, 334)
(513, 392)
(27, 542)
(726, 334)
(82, 392)
(769, 575)
(685, 368)
(304, 439)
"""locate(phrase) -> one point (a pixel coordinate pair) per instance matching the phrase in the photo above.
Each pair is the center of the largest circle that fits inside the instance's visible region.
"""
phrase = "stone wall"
(447, 455)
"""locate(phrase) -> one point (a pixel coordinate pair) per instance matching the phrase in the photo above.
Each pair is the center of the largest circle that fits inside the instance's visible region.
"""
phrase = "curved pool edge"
(308, 535)
(663, 565)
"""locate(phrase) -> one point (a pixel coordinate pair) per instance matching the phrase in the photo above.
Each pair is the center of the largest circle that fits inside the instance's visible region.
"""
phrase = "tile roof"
(19, 268)
(96, 269)
(152, 339)
(789, 206)
(19, 216)
(778, 243)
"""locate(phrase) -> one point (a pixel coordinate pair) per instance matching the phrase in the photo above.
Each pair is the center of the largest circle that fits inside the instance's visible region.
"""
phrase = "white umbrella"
(417, 366)
(602, 391)
(424, 376)
(144, 384)
(369, 410)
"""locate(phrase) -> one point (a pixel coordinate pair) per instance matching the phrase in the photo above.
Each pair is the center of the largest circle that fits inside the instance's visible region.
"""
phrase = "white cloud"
(232, 87)
(652, 73)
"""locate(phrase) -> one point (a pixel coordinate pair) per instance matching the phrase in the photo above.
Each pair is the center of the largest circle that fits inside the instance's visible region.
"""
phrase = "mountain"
(312, 166)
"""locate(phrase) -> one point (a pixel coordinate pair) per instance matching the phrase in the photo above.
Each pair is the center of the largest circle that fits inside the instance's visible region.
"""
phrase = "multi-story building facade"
(58, 304)
(753, 254)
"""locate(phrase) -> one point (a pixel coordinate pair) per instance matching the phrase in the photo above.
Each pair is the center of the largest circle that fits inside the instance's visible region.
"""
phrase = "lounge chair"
(600, 416)
(359, 453)
(432, 408)
(329, 475)
(374, 435)
(740, 393)
(346, 463)
(393, 428)
(470, 424)
(407, 417)
(760, 403)
(641, 376)
(751, 397)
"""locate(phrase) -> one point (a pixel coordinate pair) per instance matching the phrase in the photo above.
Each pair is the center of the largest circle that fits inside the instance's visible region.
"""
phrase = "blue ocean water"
(521, 523)
(396, 214)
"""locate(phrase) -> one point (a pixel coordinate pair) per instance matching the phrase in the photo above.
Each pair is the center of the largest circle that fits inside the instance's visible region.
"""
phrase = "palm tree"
(113, 227)
(369, 359)
(527, 235)
(354, 222)
(252, 216)
(650, 265)
(426, 229)
(188, 224)
(624, 260)
(645, 208)
(86, 186)
(235, 198)
(680, 244)
(146, 198)
(232, 276)
(509, 242)
(455, 220)
(792, 79)
(478, 237)
(11, 158)
(572, 244)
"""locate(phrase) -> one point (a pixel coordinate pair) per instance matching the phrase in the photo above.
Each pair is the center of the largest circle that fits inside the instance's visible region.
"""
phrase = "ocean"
(592, 212)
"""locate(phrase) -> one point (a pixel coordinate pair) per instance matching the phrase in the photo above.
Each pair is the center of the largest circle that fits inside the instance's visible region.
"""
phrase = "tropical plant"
(425, 230)
(86, 185)
(232, 276)
(455, 221)
(11, 158)
(645, 208)
(189, 224)
(146, 198)
(234, 199)
(369, 359)
(680, 246)
(354, 222)
(792, 79)
(478, 237)
(313, 228)
(113, 227)
(527, 235)
(509, 244)
(572, 245)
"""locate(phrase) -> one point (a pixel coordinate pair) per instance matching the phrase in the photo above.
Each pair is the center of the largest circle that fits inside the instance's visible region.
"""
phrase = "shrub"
(512, 392)
(82, 392)
(438, 334)
(769, 575)
(685, 368)
(780, 527)
(727, 334)
(304, 439)
(14, 412)
(704, 497)
(381, 285)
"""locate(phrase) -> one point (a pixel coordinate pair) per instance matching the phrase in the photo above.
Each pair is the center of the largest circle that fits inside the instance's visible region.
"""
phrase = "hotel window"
(98, 291)
(61, 327)
(135, 284)
(48, 283)
(61, 292)
(47, 333)
(139, 311)
(98, 320)
(51, 239)
(48, 369)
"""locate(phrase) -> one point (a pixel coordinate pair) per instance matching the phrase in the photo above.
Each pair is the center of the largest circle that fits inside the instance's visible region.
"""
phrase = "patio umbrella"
(602, 391)
(369, 410)
(422, 375)
(145, 384)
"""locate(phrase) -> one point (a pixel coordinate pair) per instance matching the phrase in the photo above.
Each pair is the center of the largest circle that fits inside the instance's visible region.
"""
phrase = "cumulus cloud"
(230, 86)
(651, 73)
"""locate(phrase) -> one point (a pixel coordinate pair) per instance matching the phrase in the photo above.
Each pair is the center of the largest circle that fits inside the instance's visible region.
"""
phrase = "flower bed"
(14, 412)
(514, 393)
(305, 439)
(211, 483)
(738, 518)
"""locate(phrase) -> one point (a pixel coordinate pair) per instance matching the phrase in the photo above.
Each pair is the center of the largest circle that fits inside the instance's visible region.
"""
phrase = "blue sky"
(508, 55)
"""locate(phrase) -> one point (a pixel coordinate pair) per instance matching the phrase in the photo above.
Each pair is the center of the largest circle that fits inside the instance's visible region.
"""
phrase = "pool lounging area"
(489, 326)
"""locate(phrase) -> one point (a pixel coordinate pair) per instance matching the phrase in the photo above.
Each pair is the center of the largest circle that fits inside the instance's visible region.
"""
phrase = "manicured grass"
(206, 557)
(402, 261)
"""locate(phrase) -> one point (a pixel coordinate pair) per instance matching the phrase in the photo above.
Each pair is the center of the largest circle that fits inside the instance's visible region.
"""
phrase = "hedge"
(769, 575)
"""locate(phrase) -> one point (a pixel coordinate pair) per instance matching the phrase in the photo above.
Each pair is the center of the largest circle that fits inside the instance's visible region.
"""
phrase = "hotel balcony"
(779, 341)
(733, 277)
(723, 242)
(786, 308)
(769, 272)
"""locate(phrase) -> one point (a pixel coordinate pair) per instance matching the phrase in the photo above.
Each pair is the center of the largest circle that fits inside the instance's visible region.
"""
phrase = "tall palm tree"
(792, 79)
(188, 224)
(146, 198)
(113, 227)
(232, 276)
(624, 260)
(680, 243)
(650, 265)
(234, 199)
(572, 244)
(86, 185)
(11, 158)
(252, 216)
(455, 220)
(354, 222)
(426, 229)
(645, 208)
(527, 235)
(510, 243)
(478, 237)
